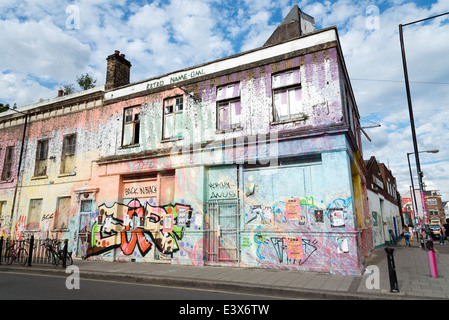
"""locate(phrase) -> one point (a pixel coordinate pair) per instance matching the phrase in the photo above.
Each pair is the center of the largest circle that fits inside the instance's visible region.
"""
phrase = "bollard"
(394, 287)
(431, 258)
(64, 254)
(30, 253)
(421, 239)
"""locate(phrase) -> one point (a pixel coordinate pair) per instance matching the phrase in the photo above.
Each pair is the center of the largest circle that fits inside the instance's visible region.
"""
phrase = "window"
(173, 109)
(86, 205)
(131, 126)
(228, 107)
(287, 96)
(62, 213)
(68, 154)
(7, 165)
(41, 158)
(34, 213)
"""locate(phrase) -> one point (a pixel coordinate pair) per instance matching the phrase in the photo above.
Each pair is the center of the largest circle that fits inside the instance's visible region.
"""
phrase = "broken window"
(287, 96)
(41, 158)
(68, 154)
(229, 107)
(7, 165)
(131, 126)
(173, 108)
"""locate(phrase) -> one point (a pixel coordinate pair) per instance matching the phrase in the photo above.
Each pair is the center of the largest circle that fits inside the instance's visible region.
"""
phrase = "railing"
(38, 251)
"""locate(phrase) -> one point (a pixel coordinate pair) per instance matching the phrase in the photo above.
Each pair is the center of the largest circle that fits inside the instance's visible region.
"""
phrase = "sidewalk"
(412, 270)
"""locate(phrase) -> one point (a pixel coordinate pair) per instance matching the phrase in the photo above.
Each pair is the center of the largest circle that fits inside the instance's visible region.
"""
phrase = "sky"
(46, 44)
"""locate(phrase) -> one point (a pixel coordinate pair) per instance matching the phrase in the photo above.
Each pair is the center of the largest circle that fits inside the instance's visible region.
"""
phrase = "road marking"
(153, 285)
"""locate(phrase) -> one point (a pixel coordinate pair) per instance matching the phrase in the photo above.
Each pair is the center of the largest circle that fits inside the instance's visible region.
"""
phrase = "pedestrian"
(446, 227)
(406, 233)
(442, 234)
(410, 227)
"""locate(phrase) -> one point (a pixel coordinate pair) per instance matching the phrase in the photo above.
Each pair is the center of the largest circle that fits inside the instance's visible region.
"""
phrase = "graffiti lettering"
(139, 227)
(140, 191)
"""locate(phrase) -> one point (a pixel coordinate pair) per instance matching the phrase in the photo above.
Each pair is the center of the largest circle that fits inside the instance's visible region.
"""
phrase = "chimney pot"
(60, 93)
(117, 52)
(122, 55)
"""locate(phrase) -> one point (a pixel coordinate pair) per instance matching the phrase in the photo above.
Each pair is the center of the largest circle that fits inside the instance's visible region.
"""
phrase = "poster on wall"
(182, 217)
(168, 223)
(319, 217)
(294, 248)
(337, 217)
(292, 208)
(375, 221)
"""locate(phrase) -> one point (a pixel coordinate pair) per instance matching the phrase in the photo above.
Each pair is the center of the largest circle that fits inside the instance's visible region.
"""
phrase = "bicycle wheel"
(9, 256)
(50, 257)
(22, 257)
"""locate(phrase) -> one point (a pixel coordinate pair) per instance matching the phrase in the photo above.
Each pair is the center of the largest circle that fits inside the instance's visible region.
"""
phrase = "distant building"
(434, 206)
(384, 203)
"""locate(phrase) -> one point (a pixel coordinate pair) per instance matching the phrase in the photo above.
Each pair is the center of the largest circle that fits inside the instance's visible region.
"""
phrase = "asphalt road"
(28, 286)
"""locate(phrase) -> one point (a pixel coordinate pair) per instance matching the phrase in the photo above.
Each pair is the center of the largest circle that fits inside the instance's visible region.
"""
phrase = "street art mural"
(135, 227)
(297, 234)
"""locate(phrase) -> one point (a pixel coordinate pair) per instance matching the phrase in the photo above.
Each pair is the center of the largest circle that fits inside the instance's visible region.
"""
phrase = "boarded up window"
(34, 213)
(173, 117)
(41, 158)
(2, 214)
(68, 154)
(167, 189)
(131, 126)
(7, 165)
(62, 213)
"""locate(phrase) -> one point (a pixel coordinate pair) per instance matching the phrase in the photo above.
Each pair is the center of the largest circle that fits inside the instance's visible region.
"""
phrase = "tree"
(86, 81)
(68, 89)
(5, 107)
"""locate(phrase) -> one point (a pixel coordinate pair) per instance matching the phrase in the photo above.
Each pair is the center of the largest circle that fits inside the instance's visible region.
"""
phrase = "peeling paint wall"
(268, 192)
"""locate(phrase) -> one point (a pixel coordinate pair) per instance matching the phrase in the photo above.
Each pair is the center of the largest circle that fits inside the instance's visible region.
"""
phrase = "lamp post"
(411, 178)
(409, 100)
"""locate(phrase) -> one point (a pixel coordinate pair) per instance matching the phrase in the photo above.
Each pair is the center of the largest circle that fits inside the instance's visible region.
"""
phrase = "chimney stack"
(295, 24)
(60, 93)
(118, 70)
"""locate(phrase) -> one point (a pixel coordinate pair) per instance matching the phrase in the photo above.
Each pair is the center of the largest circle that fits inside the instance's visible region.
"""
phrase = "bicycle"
(55, 254)
(20, 254)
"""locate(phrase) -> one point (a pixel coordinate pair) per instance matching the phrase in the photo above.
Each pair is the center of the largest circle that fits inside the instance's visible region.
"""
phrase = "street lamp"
(409, 100)
(411, 177)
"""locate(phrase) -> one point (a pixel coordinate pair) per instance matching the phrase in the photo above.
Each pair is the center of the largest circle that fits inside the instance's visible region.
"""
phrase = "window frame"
(7, 164)
(134, 123)
(175, 113)
(41, 157)
(68, 150)
(227, 100)
(289, 82)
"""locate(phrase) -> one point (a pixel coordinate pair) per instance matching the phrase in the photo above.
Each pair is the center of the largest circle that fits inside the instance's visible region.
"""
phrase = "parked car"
(434, 231)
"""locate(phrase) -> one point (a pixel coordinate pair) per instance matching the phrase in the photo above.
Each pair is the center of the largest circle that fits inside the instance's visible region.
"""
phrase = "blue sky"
(47, 43)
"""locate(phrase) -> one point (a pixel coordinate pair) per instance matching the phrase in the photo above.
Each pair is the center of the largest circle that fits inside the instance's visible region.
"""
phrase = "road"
(28, 286)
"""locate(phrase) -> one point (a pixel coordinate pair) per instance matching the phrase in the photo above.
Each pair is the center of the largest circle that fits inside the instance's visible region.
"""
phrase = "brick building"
(253, 160)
